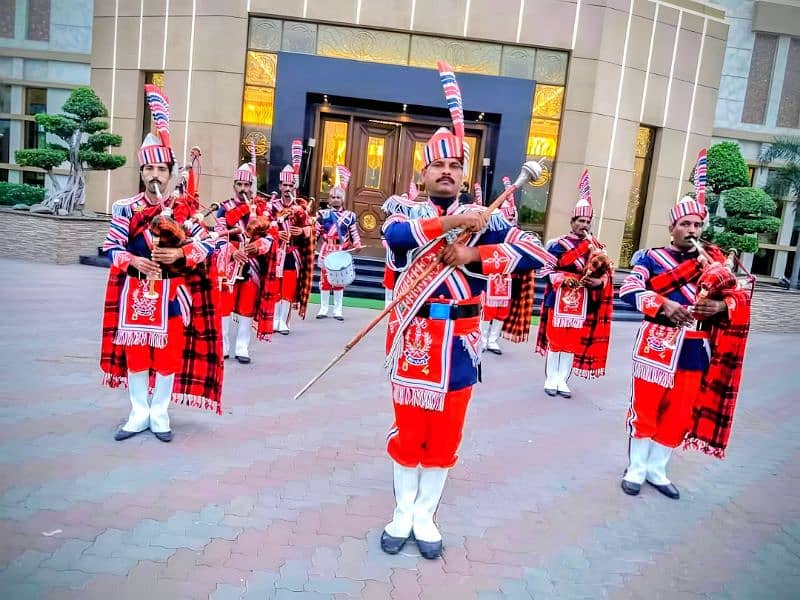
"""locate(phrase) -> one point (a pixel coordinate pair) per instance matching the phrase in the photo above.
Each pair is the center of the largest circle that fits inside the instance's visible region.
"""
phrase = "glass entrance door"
(384, 157)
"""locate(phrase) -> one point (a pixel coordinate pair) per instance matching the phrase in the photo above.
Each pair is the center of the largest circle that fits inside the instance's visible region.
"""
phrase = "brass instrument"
(238, 273)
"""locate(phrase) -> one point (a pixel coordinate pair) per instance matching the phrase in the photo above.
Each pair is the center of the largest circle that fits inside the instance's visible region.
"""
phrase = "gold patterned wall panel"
(258, 106)
(363, 44)
(543, 138)
(464, 56)
(547, 101)
(334, 151)
(637, 198)
(265, 34)
(374, 167)
(644, 142)
(261, 68)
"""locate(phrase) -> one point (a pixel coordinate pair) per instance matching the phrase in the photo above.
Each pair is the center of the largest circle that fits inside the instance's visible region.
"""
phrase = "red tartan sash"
(573, 255)
(685, 273)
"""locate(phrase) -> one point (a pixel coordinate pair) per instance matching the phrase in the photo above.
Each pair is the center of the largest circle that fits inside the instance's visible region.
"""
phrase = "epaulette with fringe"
(411, 209)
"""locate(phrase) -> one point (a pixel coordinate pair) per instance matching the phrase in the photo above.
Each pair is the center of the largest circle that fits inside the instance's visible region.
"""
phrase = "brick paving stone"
(282, 492)
(260, 586)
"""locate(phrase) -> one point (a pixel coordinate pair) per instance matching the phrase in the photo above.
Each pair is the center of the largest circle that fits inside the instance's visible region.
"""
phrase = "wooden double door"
(384, 157)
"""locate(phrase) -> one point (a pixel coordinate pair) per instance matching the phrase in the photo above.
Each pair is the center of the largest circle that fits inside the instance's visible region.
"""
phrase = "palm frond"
(783, 148)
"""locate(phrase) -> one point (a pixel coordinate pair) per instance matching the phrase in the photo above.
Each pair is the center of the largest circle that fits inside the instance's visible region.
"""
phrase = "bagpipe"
(258, 226)
(598, 264)
(718, 277)
(165, 232)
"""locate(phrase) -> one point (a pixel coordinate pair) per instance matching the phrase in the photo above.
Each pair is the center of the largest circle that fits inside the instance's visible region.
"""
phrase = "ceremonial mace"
(530, 172)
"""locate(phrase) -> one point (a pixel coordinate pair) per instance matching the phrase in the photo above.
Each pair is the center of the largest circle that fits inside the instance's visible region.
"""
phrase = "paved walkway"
(287, 499)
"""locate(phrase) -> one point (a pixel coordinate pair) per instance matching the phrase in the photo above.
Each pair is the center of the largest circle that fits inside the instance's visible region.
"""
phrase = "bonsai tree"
(85, 146)
(786, 183)
(750, 211)
(726, 168)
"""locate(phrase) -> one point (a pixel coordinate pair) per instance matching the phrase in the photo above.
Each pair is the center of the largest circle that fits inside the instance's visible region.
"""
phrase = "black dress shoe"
(340, 318)
(322, 316)
(630, 488)
(245, 360)
(430, 550)
(550, 392)
(391, 544)
(122, 434)
(564, 394)
(669, 490)
(227, 356)
(164, 436)
(284, 332)
(495, 351)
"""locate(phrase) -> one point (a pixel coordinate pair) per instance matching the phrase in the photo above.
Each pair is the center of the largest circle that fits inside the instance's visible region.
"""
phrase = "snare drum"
(340, 269)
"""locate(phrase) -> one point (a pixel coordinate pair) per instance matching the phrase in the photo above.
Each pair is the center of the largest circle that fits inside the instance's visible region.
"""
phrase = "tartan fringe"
(196, 401)
(515, 338)
(652, 374)
(573, 322)
(114, 381)
(589, 373)
(140, 338)
(407, 396)
(540, 348)
(264, 337)
(704, 447)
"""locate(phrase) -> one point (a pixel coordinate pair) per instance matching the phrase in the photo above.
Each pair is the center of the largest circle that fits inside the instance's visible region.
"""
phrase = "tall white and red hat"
(583, 208)
(156, 147)
(245, 173)
(693, 206)
(445, 143)
(291, 173)
(342, 178)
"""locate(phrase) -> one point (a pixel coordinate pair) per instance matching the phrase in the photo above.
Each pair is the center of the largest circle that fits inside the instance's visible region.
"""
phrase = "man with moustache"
(295, 252)
(338, 229)
(159, 329)
(433, 336)
(687, 360)
(240, 302)
(577, 308)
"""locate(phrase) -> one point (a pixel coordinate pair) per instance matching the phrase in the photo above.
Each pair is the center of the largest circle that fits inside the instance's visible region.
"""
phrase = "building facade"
(45, 52)
(625, 88)
(759, 99)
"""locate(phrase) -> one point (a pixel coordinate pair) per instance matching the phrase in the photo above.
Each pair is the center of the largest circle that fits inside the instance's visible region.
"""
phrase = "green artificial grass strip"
(373, 304)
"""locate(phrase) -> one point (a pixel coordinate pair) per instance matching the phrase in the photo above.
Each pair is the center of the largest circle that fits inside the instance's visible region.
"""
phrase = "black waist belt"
(441, 310)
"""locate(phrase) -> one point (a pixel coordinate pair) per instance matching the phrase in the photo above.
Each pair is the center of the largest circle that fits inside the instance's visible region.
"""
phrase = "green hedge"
(20, 193)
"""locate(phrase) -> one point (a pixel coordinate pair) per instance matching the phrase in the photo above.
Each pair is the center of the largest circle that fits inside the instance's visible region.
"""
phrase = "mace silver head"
(531, 171)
